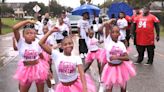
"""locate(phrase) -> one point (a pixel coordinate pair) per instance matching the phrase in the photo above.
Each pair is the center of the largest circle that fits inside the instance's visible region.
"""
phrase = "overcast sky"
(70, 3)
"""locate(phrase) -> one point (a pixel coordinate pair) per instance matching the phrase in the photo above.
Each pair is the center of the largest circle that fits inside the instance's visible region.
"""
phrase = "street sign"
(36, 8)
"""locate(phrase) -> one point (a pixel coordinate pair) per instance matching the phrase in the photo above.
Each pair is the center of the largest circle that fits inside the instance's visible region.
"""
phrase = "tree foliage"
(82, 2)
(6, 10)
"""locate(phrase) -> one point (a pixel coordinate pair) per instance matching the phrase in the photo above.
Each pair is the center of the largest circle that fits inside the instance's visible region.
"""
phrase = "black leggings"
(150, 50)
(82, 46)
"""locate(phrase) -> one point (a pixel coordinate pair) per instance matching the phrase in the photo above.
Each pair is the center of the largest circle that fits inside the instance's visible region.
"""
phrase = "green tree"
(82, 2)
(6, 10)
(3, 1)
(56, 8)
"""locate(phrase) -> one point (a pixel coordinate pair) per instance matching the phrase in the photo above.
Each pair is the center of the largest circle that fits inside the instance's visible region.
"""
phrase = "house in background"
(18, 9)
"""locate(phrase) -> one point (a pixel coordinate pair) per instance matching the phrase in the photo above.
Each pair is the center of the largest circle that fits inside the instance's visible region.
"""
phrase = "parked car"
(73, 21)
(28, 17)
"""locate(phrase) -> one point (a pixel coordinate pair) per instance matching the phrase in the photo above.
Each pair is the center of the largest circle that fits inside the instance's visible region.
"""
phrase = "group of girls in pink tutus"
(37, 54)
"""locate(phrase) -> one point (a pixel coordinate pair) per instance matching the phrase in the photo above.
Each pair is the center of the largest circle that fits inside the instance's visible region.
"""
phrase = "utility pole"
(49, 2)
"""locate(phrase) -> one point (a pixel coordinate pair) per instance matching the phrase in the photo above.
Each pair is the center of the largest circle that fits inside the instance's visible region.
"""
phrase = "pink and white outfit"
(94, 51)
(50, 41)
(117, 75)
(30, 73)
(66, 69)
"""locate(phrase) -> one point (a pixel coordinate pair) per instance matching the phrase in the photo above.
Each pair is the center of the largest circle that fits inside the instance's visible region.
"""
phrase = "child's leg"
(40, 86)
(123, 89)
(99, 67)
(109, 90)
(24, 87)
(87, 65)
(48, 83)
(50, 77)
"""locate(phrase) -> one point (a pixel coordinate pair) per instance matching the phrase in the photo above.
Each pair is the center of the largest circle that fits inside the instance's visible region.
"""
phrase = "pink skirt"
(47, 57)
(99, 55)
(77, 86)
(38, 72)
(118, 75)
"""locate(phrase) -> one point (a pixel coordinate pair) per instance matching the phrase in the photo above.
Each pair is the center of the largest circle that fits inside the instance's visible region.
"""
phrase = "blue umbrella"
(118, 7)
(91, 9)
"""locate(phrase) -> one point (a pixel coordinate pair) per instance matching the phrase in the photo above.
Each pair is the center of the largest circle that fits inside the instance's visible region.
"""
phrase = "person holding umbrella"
(83, 27)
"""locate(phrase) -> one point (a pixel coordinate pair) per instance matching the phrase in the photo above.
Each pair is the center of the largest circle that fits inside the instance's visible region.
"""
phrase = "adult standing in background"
(47, 21)
(39, 25)
(66, 20)
(83, 27)
(137, 13)
(144, 28)
(122, 24)
(129, 20)
(97, 22)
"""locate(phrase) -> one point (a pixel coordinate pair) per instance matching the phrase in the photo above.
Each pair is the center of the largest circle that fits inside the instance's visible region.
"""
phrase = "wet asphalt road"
(148, 79)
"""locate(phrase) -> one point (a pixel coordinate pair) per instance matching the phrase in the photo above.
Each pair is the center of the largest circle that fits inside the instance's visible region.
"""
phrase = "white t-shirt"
(92, 44)
(50, 40)
(108, 40)
(39, 27)
(66, 21)
(29, 52)
(115, 48)
(49, 23)
(84, 26)
(122, 23)
(66, 66)
(62, 28)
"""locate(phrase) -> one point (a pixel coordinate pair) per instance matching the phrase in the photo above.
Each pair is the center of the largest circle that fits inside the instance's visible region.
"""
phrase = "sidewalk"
(6, 50)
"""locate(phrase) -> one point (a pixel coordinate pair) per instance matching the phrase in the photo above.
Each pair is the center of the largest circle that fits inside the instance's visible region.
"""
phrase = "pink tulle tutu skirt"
(77, 86)
(99, 55)
(28, 74)
(47, 57)
(118, 75)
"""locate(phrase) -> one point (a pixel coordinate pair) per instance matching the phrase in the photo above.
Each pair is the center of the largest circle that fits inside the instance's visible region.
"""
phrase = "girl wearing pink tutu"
(32, 68)
(94, 52)
(119, 69)
(67, 66)
(47, 57)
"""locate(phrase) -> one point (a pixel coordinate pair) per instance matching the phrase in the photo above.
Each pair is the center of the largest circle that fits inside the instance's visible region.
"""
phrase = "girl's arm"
(14, 44)
(82, 77)
(17, 26)
(45, 47)
(56, 46)
(124, 57)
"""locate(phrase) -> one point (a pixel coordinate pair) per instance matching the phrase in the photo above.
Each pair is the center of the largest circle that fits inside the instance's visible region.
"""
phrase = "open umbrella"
(91, 9)
(118, 7)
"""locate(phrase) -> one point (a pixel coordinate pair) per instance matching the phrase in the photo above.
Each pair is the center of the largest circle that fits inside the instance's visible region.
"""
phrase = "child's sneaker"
(51, 90)
(82, 55)
(101, 88)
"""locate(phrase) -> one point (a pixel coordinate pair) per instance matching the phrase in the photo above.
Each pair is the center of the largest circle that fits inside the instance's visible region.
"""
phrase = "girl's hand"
(85, 90)
(114, 57)
(55, 29)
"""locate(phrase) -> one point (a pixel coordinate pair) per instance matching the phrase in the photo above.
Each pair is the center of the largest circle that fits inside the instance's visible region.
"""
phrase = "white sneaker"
(53, 82)
(82, 55)
(101, 88)
(85, 55)
(51, 90)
